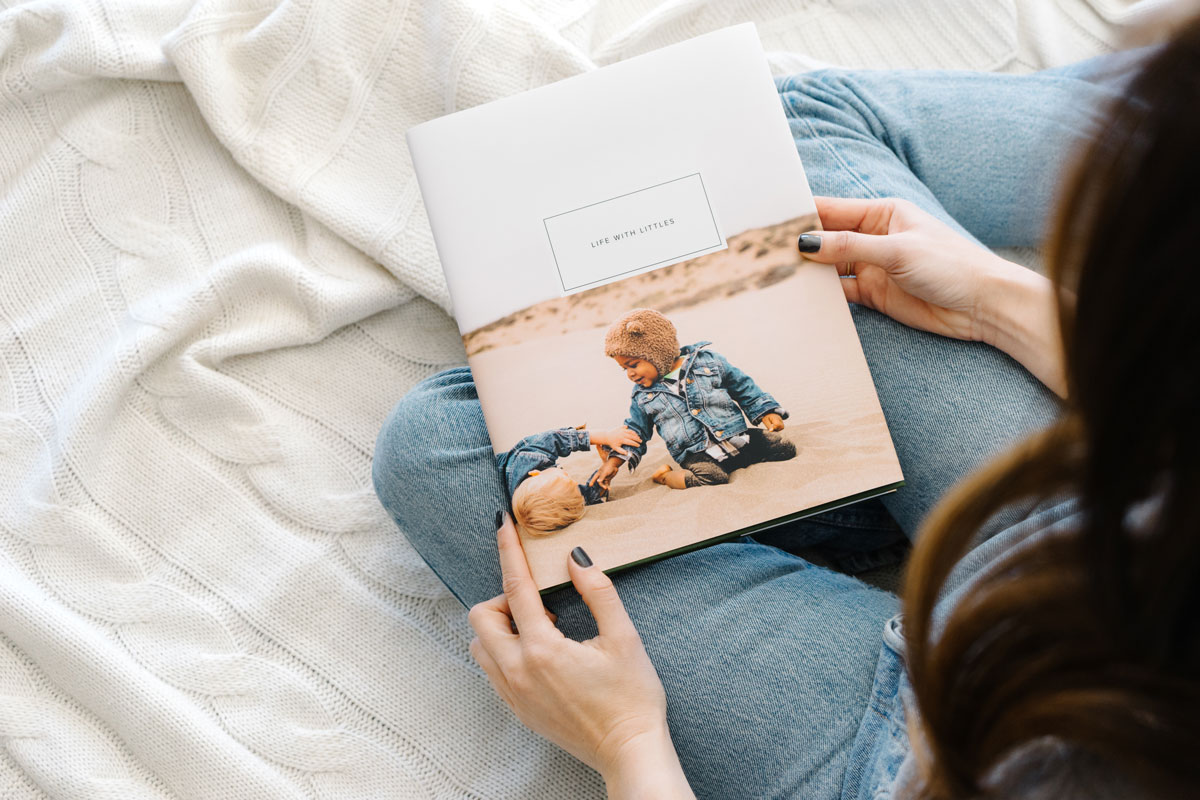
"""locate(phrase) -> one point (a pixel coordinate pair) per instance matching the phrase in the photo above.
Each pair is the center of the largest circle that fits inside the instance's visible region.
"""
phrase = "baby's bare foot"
(660, 474)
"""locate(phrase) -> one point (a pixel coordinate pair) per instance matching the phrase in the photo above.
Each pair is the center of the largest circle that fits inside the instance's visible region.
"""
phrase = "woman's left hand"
(600, 700)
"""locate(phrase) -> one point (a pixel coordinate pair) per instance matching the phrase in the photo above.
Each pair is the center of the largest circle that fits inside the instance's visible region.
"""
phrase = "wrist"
(1020, 318)
(1008, 296)
(647, 766)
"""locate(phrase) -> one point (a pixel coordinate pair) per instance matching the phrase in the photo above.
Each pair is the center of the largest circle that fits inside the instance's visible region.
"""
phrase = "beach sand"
(793, 336)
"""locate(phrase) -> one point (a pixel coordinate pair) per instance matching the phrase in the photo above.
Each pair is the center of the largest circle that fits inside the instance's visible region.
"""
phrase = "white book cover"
(620, 249)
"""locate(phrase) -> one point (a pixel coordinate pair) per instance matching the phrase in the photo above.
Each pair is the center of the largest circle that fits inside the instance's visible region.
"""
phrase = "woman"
(1051, 645)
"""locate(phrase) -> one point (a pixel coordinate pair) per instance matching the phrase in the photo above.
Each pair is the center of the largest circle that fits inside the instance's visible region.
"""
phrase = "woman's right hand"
(909, 265)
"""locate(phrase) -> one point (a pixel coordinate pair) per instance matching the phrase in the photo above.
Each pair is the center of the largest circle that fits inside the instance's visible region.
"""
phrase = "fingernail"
(580, 557)
(499, 518)
(808, 243)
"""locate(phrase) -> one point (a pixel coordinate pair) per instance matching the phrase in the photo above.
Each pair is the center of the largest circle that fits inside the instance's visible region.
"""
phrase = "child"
(544, 498)
(696, 400)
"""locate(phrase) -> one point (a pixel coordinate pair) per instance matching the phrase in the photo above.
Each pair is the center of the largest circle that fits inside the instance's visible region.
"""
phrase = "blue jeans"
(780, 680)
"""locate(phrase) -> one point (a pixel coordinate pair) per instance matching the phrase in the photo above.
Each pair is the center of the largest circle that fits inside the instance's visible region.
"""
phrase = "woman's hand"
(600, 700)
(905, 263)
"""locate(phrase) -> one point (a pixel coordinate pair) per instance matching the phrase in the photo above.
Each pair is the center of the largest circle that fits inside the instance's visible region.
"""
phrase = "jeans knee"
(388, 465)
(822, 87)
(404, 442)
(825, 103)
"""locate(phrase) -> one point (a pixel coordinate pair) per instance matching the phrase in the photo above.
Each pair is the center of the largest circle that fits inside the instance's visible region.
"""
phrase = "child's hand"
(618, 438)
(772, 422)
(607, 471)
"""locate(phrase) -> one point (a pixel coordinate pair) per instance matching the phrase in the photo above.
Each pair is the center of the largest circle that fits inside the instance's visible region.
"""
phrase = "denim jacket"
(719, 400)
(542, 451)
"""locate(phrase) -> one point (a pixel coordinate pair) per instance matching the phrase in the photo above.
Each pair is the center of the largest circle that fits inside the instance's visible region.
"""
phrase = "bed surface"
(217, 279)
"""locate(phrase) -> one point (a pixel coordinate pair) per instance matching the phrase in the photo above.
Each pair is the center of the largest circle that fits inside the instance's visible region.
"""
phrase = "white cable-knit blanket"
(216, 277)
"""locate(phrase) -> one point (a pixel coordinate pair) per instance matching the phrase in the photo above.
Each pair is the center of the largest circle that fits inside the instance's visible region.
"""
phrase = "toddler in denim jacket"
(543, 496)
(696, 400)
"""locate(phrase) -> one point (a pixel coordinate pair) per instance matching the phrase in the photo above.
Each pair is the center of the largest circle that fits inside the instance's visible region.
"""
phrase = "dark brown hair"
(1090, 638)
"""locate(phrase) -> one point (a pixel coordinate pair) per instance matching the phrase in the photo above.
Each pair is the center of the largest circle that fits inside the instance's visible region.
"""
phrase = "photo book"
(658, 367)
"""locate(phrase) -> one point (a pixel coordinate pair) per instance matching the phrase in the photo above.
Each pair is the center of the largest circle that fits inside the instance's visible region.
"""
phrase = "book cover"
(620, 249)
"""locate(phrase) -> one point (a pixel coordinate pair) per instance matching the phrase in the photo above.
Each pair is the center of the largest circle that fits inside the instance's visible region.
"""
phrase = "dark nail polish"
(499, 518)
(580, 557)
(808, 243)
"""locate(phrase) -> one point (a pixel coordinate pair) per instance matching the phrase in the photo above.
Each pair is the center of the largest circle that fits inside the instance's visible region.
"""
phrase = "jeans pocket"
(881, 744)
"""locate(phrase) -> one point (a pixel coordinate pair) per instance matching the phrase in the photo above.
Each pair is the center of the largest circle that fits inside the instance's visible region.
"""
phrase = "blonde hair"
(541, 504)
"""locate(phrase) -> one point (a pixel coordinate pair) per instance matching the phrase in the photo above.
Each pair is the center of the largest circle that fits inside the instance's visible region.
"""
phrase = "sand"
(793, 335)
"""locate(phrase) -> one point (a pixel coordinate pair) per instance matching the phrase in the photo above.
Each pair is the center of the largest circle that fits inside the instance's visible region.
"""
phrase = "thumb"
(599, 595)
(850, 247)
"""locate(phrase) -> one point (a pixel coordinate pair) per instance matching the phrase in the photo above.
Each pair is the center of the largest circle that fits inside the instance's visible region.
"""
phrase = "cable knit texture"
(218, 277)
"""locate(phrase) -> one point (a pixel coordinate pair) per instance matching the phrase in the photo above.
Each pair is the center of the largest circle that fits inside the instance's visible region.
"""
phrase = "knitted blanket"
(217, 277)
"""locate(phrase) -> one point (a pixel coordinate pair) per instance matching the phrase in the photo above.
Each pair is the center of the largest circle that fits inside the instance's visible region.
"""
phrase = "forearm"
(649, 769)
(1020, 317)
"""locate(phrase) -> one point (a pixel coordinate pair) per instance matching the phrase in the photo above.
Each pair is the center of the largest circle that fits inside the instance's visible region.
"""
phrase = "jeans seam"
(834, 154)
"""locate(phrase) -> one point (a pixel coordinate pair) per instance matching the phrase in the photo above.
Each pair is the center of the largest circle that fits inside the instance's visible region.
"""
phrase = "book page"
(667, 186)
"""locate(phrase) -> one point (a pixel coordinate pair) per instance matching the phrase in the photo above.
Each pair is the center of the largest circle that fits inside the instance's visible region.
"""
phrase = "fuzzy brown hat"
(646, 334)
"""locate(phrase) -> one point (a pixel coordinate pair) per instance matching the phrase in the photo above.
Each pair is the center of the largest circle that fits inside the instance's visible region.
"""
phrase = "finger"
(492, 620)
(502, 603)
(850, 289)
(491, 668)
(523, 599)
(853, 214)
(493, 624)
(847, 248)
(600, 596)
